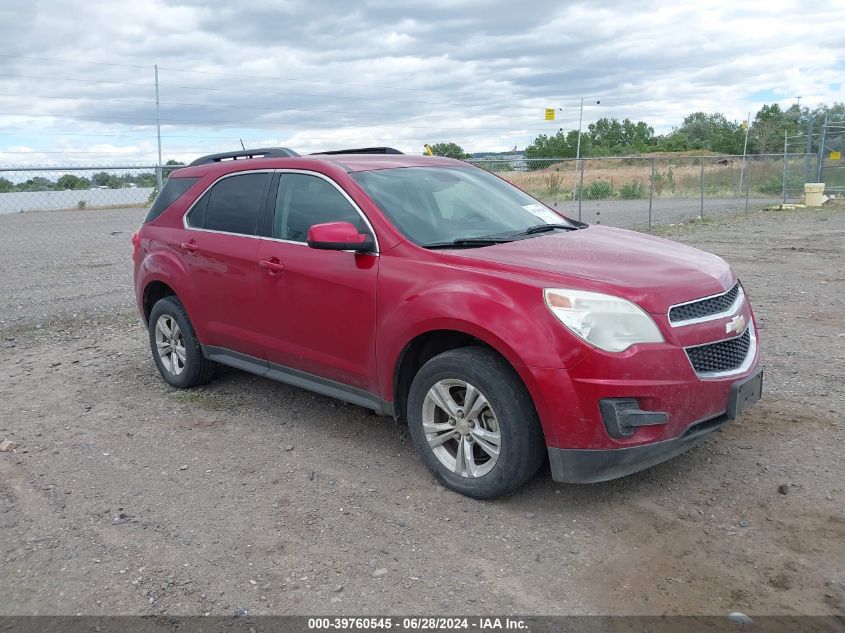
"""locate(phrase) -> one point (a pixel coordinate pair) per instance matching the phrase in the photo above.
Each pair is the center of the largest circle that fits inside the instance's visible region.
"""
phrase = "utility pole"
(580, 121)
(158, 134)
(578, 151)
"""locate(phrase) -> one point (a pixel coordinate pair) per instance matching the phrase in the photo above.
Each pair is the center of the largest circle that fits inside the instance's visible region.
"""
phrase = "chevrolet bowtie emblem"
(736, 325)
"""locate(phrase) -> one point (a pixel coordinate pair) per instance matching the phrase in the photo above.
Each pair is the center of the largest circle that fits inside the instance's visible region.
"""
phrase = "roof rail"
(363, 150)
(264, 152)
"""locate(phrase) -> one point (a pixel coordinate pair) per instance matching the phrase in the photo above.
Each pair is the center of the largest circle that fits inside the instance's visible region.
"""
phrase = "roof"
(368, 162)
(347, 162)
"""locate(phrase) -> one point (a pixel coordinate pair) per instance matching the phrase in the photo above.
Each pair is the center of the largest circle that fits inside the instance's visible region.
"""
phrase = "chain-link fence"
(831, 169)
(641, 192)
(65, 238)
(75, 188)
(65, 232)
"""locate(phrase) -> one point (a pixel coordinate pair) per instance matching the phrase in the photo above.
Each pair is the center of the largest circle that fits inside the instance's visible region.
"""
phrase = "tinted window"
(303, 201)
(235, 203)
(196, 216)
(170, 193)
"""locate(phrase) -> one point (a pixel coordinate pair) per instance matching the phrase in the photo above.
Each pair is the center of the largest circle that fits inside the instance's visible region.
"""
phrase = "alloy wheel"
(170, 344)
(461, 428)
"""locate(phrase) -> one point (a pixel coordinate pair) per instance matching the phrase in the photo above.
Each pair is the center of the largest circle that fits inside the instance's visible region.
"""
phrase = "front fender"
(508, 314)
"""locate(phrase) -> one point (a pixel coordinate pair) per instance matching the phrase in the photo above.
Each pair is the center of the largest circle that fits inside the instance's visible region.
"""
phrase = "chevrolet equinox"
(427, 289)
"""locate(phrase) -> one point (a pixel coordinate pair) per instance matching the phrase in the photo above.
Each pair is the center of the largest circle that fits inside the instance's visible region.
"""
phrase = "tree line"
(703, 131)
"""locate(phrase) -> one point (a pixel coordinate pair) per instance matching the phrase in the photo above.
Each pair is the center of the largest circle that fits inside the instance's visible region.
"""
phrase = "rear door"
(317, 307)
(221, 255)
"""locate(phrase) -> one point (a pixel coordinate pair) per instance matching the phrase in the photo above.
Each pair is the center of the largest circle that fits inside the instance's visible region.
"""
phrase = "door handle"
(272, 266)
(191, 247)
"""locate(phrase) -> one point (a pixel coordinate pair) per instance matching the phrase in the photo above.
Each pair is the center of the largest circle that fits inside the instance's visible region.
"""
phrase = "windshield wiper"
(543, 228)
(469, 242)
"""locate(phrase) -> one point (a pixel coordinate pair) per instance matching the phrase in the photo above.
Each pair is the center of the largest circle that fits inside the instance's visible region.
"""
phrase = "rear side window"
(233, 205)
(170, 193)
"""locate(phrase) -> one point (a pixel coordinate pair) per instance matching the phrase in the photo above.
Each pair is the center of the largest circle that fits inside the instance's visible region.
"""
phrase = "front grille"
(705, 307)
(721, 356)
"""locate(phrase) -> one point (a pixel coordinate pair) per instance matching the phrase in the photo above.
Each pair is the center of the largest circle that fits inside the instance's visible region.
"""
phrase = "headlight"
(608, 322)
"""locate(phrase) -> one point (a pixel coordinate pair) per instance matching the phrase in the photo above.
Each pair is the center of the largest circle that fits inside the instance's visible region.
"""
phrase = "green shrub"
(598, 190)
(771, 185)
(632, 190)
(663, 179)
(81, 204)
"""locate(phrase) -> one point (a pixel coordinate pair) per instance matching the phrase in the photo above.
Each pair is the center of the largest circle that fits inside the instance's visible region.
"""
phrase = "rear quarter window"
(172, 190)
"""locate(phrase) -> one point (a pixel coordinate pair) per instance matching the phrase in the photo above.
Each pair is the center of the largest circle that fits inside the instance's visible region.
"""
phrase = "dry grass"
(677, 176)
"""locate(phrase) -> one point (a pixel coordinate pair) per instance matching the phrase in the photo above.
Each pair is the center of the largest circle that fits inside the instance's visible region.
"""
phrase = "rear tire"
(174, 345)
(474, 423)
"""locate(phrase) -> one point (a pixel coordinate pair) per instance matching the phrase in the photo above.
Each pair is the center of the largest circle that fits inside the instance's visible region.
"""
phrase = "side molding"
(299, 379)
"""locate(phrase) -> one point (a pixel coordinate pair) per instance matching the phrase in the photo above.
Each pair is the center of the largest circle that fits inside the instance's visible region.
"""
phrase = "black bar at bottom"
(246, 623)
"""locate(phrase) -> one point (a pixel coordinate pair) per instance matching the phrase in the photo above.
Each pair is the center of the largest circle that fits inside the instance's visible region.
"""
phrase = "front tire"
(174, 345)
(474, 423)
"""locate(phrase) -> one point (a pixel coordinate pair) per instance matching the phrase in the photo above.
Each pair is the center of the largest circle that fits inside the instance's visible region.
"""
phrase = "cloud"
(319, 74)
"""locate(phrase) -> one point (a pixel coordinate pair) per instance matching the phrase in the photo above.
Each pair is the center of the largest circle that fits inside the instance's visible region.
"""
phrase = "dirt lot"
(125, 496)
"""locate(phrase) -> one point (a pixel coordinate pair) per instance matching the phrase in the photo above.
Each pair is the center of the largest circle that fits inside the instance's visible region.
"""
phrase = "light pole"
(158, 135)
(578, 155)
(580, 121)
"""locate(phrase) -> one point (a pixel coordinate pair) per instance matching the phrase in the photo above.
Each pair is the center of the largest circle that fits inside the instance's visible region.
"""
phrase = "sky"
(77, 78)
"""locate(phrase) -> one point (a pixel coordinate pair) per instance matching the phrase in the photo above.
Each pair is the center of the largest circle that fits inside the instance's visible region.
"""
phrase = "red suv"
(437, 293)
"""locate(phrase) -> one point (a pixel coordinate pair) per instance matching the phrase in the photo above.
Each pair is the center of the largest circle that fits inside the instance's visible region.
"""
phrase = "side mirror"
(339, 236)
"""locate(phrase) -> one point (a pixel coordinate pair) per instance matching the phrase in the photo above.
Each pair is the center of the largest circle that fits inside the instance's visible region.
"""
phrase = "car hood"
(653, 272)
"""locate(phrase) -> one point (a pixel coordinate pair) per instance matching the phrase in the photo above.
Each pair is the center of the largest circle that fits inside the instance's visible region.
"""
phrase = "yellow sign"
(836, 156)
(744, 125)
(550, 114)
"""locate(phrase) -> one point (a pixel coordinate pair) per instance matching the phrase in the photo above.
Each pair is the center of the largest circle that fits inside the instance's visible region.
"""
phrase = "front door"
(317, 307)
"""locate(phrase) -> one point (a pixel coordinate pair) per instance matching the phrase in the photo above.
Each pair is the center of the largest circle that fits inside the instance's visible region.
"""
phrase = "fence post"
(581, 189)
(748, 185)
(809, 148)
(821, 150)
(701, 180)
(651, 191)
(785, 149)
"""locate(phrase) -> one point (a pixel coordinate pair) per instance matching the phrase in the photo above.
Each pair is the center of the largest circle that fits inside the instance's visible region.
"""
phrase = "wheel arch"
(161, 274)
(430, 343)
(154, 291)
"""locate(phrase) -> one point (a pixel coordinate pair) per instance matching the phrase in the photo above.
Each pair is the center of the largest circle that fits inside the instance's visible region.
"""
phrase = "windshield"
(436, 205)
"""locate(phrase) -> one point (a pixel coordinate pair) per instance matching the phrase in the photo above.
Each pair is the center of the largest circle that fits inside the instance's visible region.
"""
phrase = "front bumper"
(587, 466)
(576, 465)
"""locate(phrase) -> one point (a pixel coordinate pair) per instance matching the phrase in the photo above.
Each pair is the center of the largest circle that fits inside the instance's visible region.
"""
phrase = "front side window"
(433, 205)
(233, 205)
(304, 200)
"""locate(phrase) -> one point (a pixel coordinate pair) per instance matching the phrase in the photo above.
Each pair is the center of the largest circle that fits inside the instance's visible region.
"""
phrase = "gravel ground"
(125, 496)
(59, 263)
